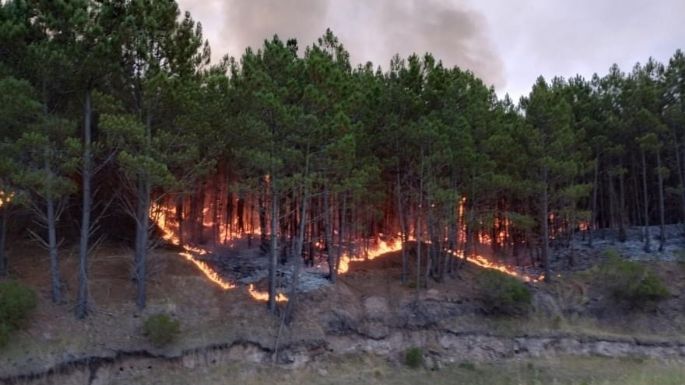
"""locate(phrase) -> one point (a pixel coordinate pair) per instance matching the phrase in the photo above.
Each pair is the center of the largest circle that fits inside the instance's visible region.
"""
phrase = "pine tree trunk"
(229, 217)
(612, 201)
(545, 227)
(3, 238)
(645, 232)
(83, 300)
(430, 249)
(51, 220)
(142, 226)
(418, 254)
(274, 247)
(292, 298)
(241, 214)
(199, 214)
(179, 218)
(662, 211)
(262, 214)
(216, 207)
(418, 233)
(681, 179)
(452, 236)
(52, 251)
(622, 208)
(636, 201)
(341, 232)
(403, 229)
(328, 230)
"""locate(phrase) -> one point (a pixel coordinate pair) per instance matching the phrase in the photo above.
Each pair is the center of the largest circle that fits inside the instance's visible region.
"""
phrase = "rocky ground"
(368, 312)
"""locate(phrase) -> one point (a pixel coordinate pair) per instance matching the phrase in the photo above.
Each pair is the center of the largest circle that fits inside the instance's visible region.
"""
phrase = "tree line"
(111, 108)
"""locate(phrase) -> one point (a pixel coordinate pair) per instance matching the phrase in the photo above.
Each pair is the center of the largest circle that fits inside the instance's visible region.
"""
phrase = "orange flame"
(483, 262)
(263, 296)
(208, 272)
(168, 235)
(381, 247)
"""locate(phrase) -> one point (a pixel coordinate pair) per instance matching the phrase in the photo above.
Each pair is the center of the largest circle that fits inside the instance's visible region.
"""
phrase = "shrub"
(632, 283)
(503, 294)
(16, 303)
(413, 357)
(161, 329)
(4, 334)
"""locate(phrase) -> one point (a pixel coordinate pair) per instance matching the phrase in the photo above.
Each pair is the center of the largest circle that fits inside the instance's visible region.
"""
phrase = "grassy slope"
(210, 315)
(373, 370)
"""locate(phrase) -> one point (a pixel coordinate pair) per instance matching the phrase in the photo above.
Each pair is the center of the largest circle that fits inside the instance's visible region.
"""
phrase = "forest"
(115, 126)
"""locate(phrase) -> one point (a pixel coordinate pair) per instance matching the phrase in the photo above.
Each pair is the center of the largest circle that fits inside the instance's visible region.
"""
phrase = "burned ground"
(367, 304)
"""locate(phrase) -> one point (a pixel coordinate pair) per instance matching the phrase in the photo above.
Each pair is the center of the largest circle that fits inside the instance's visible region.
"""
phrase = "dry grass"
(373, 370)
(210, 315)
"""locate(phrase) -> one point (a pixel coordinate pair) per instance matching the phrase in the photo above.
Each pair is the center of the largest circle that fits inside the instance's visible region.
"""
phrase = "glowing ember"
(5, 198)
(263, 296)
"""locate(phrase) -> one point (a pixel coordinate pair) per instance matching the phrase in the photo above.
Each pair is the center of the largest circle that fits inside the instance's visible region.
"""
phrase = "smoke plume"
(371, 30)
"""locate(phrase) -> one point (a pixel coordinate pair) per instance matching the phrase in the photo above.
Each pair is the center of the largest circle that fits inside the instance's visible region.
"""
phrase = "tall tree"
(551, 136)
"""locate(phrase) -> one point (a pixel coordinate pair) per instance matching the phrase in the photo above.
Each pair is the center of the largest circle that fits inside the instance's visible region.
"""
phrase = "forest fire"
(159, 214)
(380, 247)
(483, 262)
(209, 272)
(263, 296)
(366, 250)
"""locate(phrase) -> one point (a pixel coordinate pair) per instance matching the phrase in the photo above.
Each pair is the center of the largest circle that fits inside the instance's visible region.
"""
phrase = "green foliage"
(631, 282)
(16, 303)
(413, 357)
(502, 294)
(161, 329)
(415, 139)
(4, 334)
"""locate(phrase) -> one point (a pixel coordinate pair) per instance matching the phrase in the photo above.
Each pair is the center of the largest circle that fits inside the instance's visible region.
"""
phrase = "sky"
(506, 43)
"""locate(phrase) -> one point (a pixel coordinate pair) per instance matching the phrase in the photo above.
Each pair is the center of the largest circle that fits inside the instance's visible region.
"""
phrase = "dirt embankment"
(440, 347)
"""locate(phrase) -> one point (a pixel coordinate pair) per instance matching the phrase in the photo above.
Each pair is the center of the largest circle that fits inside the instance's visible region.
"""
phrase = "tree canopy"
(112, 108)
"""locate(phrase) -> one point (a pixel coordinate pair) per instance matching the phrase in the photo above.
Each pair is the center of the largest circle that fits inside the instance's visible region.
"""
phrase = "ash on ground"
(246, 265)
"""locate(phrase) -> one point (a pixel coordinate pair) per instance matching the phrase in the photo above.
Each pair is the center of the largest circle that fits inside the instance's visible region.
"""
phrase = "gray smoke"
(250, 22)
(371, 30)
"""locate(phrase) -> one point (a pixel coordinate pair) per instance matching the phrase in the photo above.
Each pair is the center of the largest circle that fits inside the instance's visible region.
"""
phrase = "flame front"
(263, 296)
(381, 247)
(485, 263)
(208, 272)
(159, 214)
